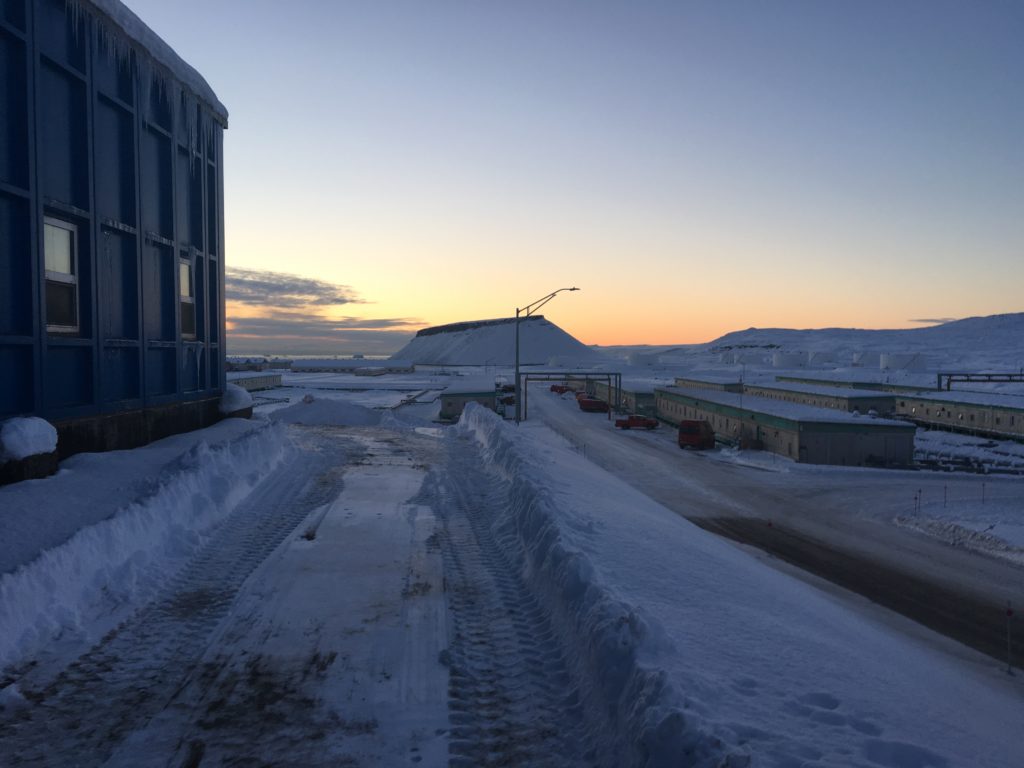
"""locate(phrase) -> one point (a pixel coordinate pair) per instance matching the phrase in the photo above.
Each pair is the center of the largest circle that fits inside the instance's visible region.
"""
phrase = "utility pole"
(527, 311)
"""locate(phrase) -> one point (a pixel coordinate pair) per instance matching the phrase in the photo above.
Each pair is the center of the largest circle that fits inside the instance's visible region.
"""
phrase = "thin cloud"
(307, 342)
(934, 320)
(294, 317)
(258, 288)
(297, 333)
(298, 325)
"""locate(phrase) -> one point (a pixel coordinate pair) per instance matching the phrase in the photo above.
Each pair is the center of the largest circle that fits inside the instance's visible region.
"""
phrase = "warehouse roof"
(710, 378)
(954, 397)
(825, 390)
(793, 412)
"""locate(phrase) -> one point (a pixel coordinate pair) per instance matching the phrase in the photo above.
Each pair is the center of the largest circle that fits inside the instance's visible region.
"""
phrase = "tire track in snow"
(512, 700)
(137, 670)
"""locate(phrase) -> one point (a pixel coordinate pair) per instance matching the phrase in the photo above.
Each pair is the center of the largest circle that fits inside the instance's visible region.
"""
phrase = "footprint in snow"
(820, 700)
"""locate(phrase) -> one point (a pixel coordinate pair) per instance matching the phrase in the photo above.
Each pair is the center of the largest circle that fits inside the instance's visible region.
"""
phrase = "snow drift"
(234, 399)
(648, 723)
(22, 437)
(337, 413)
(118, 563)
(492, 342)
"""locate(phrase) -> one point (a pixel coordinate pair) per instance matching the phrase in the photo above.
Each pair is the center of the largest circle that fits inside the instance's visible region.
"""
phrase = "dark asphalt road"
(833, 525)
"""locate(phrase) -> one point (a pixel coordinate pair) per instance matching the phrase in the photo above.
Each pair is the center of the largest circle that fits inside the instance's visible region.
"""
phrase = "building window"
(188, 300)
(60, 255)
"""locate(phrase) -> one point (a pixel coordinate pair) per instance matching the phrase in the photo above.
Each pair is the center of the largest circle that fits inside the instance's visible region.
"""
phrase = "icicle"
(74, 9)
(110, 20)
(144, 76)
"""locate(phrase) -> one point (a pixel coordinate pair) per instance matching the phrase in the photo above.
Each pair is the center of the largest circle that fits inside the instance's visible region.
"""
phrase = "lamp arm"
(534, 306)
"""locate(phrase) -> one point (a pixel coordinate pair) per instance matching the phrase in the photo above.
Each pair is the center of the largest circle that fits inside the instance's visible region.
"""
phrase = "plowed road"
(835, 523)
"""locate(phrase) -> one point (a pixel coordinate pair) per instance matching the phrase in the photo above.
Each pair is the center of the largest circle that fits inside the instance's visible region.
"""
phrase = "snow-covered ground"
(83, 549)
(339, 581)
(299, 589)
(747, 660)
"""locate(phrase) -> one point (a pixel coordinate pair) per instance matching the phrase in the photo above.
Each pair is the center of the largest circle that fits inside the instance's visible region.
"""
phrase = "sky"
(693, 167)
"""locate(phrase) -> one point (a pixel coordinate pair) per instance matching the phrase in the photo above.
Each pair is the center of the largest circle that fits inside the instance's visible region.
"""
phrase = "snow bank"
(121, 561)
(338, 413)
(235, 399)
(698, 653)
(22, 437)
(649, 724)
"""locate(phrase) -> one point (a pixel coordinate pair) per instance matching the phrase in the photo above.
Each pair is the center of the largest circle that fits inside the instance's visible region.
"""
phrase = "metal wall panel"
(15, 267)
(13, 111)
(76, 144)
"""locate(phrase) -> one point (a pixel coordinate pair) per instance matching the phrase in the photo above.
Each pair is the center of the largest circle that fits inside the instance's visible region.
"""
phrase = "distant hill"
(995, 341)
(492, 342)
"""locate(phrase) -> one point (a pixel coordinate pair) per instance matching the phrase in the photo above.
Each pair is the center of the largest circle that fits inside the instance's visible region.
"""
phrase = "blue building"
(111, 227)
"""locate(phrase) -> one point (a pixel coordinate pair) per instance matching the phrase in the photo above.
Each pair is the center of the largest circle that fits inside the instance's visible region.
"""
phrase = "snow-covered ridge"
(467, 325)
(116, 564)
(648, 726)
(1001, 336)
(492, 342)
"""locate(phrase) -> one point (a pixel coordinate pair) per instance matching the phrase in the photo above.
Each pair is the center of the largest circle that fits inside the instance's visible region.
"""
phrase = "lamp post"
(526, 311)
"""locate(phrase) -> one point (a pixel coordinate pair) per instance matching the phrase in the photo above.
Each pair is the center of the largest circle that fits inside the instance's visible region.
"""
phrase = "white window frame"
(189, 299)
(64, 277)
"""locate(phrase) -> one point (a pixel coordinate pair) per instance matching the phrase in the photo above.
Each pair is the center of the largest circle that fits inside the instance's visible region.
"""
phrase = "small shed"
(455, 398)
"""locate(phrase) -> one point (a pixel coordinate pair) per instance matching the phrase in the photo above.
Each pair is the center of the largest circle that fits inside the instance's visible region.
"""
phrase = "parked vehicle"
(696, 434)
(583, 393)
(560, 389)
(593, 404)
(636, 421)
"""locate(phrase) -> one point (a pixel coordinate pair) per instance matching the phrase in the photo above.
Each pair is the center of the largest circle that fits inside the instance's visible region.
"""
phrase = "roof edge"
(121, 20)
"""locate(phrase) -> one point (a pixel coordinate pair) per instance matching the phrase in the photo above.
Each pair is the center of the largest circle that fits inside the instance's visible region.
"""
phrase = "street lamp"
(526, 311)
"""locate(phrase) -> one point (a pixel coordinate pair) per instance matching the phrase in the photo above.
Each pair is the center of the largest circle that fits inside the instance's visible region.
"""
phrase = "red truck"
(592, 404)
(636, 421)
(696, 434)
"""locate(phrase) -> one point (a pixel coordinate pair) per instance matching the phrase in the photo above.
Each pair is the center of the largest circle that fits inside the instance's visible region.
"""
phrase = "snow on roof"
(711, 378)
(471, 385)
(492, 342)
(993, 399)
(784, 410)
(846, 377)
(828, 391)
(144, 41)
